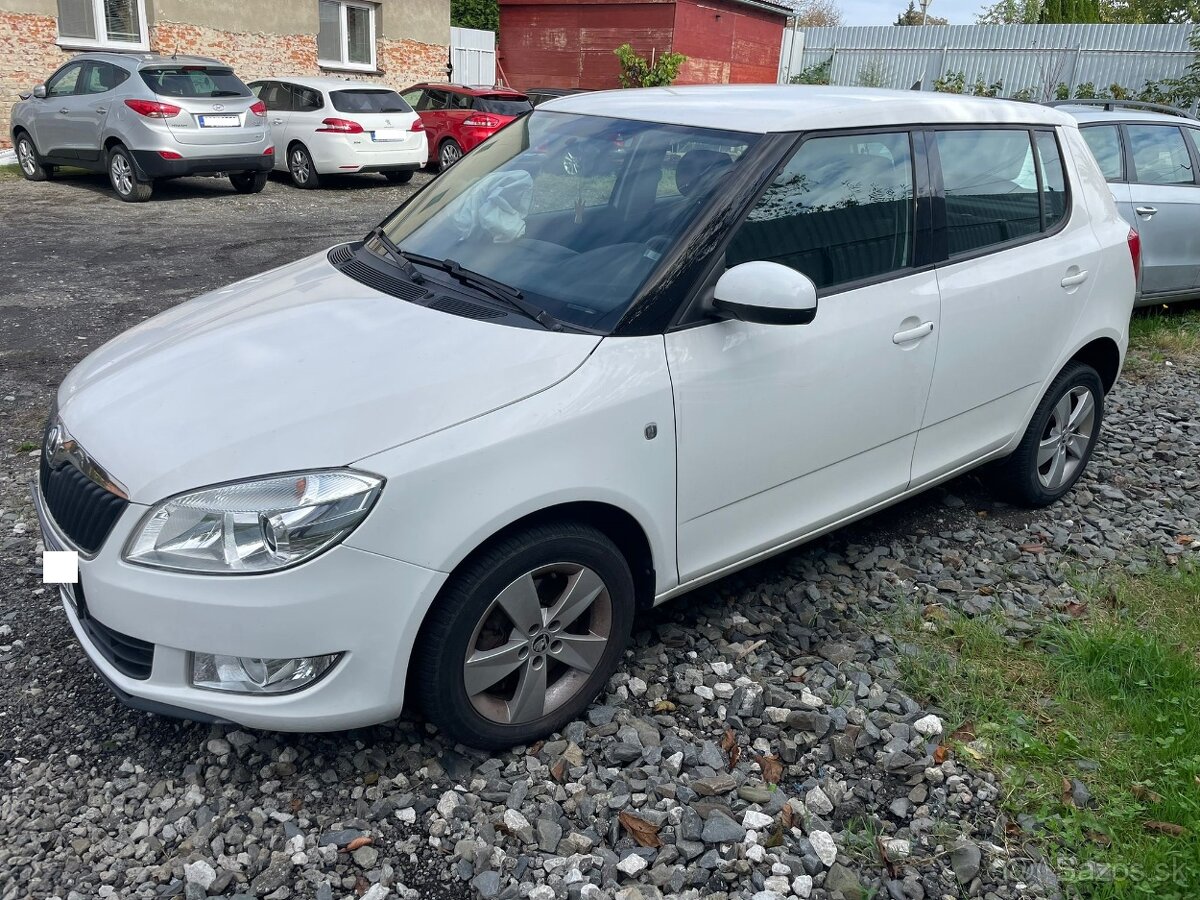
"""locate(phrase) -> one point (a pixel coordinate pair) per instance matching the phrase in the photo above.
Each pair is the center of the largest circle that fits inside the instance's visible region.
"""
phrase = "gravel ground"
(756, 740)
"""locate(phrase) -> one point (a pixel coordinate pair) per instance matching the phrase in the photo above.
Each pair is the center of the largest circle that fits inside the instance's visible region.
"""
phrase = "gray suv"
(1150, 155)
(142, 117)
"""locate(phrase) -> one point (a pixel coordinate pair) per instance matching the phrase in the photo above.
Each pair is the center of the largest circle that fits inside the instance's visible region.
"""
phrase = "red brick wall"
(28, 55)
(727, 42)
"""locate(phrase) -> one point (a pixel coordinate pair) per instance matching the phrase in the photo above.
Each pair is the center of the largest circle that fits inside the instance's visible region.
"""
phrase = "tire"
(1046, 465)
(301, 168)
(30, 161)
(449, 153)
(543, 566)
(398, 177)
(248, 182)
(122, 175)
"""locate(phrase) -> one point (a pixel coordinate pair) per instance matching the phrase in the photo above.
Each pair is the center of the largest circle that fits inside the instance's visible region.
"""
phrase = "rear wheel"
(123, 176)
(248, 182)
(300, 165)
(398, 177)
(525, 636)
(448, 154)
(1059, 441)
(31, 164)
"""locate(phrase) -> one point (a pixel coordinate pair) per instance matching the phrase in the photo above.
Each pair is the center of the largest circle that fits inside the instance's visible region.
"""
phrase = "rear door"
(309, 111)
(86, 121)
(215, 104)
(1165, 196)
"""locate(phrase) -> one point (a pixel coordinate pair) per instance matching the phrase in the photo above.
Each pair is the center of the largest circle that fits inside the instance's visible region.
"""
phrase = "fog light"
(256, 675)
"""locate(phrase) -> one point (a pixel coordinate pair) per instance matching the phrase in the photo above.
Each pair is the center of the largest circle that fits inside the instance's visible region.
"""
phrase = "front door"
(783, 429)
(52, 130)
(1165, 201)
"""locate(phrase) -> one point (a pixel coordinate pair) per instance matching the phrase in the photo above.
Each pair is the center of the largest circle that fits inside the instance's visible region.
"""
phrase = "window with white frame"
(346, 39)
(120, 24)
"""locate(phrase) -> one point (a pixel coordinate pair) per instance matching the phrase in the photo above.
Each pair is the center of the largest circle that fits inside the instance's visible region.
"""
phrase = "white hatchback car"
(455, 458)
(330, 126)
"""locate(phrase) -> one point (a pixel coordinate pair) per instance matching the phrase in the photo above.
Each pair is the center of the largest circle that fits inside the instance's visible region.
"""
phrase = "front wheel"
(525, 636)
(1059, 441)
(31, 164)
(123, 176)
(248, 182)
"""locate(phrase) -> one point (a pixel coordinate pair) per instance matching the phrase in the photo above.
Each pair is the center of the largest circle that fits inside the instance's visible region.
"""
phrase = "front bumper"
(151, 165)
(366, 606)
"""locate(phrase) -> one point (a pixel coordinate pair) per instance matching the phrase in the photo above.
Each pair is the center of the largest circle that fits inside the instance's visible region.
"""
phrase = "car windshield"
(502, 106)
(574, 211)
(194, 81)
(368, 101)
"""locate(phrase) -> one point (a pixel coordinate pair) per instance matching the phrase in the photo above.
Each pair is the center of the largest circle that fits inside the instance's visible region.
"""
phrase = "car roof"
(1091, 114)
(328, 83)
(763, 108)
(152, 60)
(475, 90)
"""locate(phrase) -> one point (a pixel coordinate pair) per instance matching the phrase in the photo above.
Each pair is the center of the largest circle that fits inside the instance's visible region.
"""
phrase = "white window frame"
(102, 41)
(372, 10)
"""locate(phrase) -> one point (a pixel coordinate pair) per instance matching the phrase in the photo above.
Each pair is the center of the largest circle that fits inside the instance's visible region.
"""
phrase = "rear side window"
(990, 185)
(102, 77)
(1159, 155)
(1105, 144)
(194, 81)
(502, 106)
(1054, 179)
(840, 211)
(306, 99)
(368, 101)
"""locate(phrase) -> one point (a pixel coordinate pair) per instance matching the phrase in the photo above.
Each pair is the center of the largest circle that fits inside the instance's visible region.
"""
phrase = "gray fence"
(1025, 58)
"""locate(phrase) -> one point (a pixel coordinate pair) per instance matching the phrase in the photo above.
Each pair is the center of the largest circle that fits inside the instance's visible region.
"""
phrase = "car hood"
(297, 368)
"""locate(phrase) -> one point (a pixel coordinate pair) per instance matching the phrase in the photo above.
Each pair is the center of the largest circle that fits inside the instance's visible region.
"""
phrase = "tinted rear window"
(502, 106)
(194, 81)
(368, 101)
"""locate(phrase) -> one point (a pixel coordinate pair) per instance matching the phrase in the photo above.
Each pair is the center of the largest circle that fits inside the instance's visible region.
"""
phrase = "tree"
(913, 16)
(1150, 12)
(1056, 12)
(636, 71)
(816, 13)
(481, 14)
(1010, 12)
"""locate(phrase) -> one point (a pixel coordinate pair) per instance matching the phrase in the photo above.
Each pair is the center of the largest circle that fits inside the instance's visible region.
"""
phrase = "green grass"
(9, 172)
(1113, 699)
(1161, 334)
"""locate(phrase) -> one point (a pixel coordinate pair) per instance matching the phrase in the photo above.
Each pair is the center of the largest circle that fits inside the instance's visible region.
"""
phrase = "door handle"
(277, 121)
(1146, 211)
(1073, 280)
(101, 109)
(64, 110)
(912, 334)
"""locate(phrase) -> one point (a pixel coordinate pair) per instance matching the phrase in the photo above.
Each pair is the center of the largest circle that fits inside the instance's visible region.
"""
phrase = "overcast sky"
(884, 12)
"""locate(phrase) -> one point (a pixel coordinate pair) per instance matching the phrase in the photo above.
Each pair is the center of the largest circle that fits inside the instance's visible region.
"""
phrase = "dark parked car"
(538, 96)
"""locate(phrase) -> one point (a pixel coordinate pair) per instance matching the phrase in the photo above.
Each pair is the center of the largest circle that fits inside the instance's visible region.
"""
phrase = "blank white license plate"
(219, 121)
(389, 134)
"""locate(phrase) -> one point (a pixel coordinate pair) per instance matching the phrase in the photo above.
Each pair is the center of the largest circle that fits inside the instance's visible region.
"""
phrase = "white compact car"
(455, 458)
(329, 126)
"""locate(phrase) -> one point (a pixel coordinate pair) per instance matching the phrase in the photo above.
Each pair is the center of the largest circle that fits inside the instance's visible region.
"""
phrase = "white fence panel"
(473, 55)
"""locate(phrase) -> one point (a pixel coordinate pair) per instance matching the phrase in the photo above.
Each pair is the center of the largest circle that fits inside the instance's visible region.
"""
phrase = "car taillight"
(258, 108)
(152, 109)
(481, 121)
(170, 154)
(1135, 251)
(340, 126)
(418, 125)
(270, 151)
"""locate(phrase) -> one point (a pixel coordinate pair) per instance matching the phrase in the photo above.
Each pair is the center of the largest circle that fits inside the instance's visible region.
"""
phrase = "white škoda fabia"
(633, 342)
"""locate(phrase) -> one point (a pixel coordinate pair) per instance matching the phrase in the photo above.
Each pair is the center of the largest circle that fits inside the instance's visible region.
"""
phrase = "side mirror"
(39, 92)
(766, 293)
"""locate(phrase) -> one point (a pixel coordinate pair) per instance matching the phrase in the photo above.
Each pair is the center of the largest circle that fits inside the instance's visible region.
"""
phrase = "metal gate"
(473, 55)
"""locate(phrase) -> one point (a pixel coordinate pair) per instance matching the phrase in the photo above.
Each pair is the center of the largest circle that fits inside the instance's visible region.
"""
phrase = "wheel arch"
(1103, 355)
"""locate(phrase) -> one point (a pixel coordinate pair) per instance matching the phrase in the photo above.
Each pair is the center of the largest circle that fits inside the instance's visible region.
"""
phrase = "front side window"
(991, 189)
(1105, 143)
(840, 211)
(1159, 155)
(64, 81)
(346, 36)
(564, 208)
(102, 23)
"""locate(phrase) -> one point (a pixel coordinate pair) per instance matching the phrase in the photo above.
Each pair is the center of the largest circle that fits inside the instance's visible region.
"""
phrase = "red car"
(457, 117)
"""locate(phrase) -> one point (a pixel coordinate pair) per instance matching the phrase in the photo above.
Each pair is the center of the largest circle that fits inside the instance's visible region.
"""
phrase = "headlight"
(254, 526)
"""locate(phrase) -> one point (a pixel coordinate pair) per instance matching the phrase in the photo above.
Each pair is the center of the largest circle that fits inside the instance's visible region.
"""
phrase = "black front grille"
(83, 511)
(363, 273)
(468, 310)
(341, 253)
(128, 655)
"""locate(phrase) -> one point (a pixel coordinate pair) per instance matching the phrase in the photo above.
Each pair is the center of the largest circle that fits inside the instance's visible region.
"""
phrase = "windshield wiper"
(396, 253)
(497, 290)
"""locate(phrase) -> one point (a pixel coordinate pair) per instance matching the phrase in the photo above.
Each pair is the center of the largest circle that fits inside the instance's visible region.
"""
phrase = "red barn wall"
(727, 42)
(550, 43)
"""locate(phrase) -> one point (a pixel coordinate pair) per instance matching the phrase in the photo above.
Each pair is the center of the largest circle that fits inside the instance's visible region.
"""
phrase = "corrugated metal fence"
(473, 55)
(1033, 58)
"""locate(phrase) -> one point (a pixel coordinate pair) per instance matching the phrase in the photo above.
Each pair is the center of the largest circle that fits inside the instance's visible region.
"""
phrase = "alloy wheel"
(449, 154)
(537, 643)
(122, 174)
(1064, 444)
(300, 166)
(26, 157)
